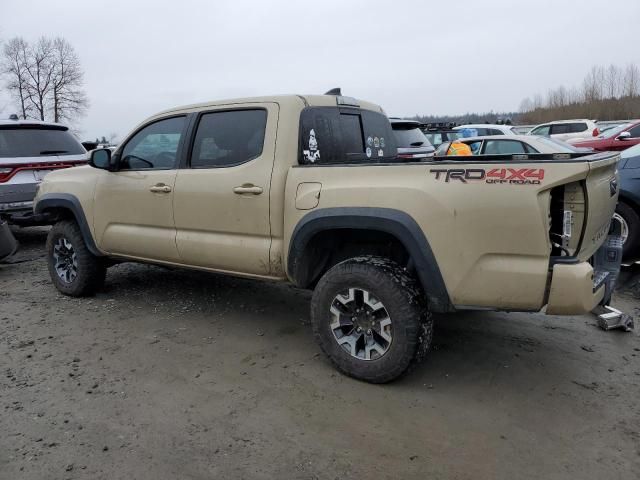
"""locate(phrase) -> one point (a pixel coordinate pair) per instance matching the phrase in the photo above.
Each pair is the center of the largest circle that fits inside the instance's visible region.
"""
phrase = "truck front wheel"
(368, 315)
(74, 270)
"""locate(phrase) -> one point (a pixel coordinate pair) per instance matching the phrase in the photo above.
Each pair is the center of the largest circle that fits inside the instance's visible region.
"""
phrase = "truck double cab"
(309, 189)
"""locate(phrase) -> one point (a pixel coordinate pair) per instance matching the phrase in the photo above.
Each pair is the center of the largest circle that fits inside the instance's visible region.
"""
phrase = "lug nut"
(369, 332)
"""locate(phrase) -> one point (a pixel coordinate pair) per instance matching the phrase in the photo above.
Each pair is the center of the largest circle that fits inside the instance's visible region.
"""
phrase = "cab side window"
(155, 147)
(577, 127)
(560, 128)
(228, 138)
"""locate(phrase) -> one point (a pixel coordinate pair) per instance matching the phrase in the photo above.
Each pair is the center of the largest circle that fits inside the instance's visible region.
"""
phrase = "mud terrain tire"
(403, 301)
(74, 270)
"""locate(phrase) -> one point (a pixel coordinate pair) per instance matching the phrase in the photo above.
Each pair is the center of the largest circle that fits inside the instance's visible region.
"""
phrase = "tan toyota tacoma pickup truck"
(309, 189)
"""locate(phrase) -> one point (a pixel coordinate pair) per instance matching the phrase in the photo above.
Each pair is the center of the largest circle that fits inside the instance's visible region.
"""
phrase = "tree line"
(606, 93)
(45, 79)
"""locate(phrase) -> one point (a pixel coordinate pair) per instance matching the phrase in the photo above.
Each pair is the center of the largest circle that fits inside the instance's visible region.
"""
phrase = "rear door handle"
(160, 188)
(248, 188)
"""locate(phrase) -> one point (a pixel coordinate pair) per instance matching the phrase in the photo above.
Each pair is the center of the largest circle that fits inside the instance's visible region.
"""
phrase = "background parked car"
(439, 133)
(628, 209)
(485, 129)
(513, 145)
(617, 138)
(521, 129)
(412, 143)
(28, 151)
(566, 129)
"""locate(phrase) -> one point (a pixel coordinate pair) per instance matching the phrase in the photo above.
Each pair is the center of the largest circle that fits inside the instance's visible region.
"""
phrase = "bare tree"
(40, 70)
(606, 93)
(14, 61)
(631, 82)
(68, 98)
(45, 78)
(613, 82)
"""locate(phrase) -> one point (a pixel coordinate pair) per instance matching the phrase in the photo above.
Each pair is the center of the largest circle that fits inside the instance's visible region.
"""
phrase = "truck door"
(133, 214)
(221, 202)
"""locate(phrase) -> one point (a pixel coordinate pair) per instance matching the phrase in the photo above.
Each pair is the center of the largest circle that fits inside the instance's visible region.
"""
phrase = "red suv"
(617, 138)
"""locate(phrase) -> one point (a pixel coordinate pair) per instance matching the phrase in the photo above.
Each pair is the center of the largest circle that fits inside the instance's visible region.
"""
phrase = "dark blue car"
(628, 209)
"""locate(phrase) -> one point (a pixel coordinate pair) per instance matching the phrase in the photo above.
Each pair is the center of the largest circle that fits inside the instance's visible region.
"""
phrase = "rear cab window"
(334, 135)
(37, 141)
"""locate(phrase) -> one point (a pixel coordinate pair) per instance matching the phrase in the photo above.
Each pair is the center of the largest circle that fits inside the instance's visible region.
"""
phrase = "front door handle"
(248, 188)
(160, 188)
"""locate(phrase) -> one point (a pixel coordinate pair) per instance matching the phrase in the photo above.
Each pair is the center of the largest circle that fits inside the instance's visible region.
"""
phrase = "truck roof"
(299, 101)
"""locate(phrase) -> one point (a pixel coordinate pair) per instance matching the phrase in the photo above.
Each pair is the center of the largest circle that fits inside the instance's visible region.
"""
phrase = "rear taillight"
(5, 173)
(8, 171)
(596, 132)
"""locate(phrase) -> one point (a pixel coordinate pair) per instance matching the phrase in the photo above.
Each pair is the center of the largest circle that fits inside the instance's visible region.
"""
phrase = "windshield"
(37, 142)
(612, 132)
(409, 136)
(437, 138)
(557, 145)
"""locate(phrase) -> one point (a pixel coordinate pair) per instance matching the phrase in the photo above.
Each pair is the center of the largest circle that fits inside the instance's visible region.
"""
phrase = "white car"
(29, 150)
(512, 145)
(567, 129)
(484, 129)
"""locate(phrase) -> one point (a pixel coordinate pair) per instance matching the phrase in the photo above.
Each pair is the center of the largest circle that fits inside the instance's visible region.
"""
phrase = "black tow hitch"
(606, 266)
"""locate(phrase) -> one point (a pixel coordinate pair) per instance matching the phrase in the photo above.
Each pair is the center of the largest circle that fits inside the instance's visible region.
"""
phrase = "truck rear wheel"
(368, 315)
(74, 270)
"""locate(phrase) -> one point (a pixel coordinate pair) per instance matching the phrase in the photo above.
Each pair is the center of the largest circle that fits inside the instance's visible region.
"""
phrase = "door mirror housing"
(624, 136)
(101, 159)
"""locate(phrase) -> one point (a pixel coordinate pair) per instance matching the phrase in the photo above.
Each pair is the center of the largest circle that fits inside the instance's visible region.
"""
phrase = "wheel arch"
(65, 205)
(388, 224)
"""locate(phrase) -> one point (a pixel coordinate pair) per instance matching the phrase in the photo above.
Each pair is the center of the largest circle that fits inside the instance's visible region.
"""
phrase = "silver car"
(29, 150)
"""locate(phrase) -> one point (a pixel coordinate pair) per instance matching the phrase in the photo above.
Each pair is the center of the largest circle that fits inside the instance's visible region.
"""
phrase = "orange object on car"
(460, 149)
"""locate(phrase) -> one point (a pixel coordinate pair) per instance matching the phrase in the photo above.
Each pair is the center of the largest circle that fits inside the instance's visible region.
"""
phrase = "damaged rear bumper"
(572, 289)
(580, 287)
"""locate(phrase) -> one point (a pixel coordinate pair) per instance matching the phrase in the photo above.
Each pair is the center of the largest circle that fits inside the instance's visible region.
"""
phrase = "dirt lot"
(181, 375)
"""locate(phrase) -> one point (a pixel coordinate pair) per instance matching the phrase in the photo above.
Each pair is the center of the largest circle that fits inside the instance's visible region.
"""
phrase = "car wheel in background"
(630, 228)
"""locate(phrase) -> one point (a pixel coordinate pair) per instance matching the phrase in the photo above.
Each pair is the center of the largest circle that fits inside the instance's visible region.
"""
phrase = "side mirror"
(624, 136)
(101, 158)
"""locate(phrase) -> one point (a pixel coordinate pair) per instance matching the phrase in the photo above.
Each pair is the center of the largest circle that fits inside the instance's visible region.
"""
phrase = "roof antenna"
(334, 91)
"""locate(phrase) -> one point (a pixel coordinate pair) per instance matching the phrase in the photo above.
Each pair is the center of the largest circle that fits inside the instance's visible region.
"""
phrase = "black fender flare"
(67, 201)
(395, 222)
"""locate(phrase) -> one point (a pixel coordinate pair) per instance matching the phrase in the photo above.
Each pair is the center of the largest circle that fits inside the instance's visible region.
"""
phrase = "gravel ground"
(170, 374)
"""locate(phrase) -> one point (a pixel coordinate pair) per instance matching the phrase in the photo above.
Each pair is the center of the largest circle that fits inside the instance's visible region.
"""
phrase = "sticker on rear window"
(313, 153)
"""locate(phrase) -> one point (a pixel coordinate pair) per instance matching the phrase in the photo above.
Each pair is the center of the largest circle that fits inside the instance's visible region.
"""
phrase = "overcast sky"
(436, 57)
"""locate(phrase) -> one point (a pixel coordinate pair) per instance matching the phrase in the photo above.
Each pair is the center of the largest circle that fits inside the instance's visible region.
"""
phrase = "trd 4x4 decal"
(514, 176)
